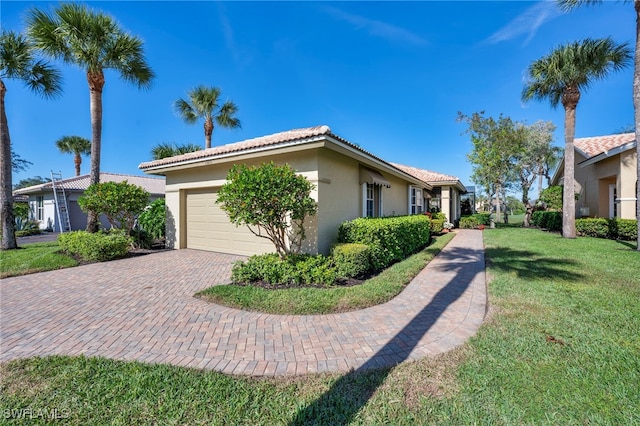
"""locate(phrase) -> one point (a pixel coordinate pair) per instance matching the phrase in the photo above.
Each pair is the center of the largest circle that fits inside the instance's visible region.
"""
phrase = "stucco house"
(349, 181)
(606, 174)
(42, 204)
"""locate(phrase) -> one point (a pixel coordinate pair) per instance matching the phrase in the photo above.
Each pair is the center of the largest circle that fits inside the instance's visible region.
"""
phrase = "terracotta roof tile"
(598, 144)
(153, 185)
(426, 175)
(249, 144)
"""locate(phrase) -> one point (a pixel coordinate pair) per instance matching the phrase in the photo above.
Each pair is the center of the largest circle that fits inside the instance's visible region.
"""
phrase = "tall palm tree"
(571, 4)
(94, 42)
(203, 102)
(75, 145)
(18, 62)
(166, 149)
(560, 77)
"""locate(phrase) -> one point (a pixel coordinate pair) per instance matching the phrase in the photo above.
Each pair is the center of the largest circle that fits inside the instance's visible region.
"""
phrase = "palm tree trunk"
(6, 195)
(208, 131)
(568, 195)
(77, 160)
(636, 107)
(96, 84)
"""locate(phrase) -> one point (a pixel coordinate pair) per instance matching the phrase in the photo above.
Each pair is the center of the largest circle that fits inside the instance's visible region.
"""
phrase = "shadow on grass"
(629, 244)
(529, 265)
(340, 404)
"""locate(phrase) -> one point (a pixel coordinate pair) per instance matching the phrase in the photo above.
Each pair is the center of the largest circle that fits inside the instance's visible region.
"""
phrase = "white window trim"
(377, 188)
(418, 194)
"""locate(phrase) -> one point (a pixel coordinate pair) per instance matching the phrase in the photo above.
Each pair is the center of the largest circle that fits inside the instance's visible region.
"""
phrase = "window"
(435, 204)
(40, 207)
(416, 200)
(372, 200)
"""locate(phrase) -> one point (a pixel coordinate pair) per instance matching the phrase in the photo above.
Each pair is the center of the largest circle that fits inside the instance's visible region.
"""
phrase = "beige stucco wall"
(627, 184)
(338, 192)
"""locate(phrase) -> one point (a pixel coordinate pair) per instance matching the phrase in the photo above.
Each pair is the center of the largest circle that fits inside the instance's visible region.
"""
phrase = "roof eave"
(607, 154)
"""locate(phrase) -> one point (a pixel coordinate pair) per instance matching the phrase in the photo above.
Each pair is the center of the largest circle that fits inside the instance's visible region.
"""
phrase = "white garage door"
(208, 228)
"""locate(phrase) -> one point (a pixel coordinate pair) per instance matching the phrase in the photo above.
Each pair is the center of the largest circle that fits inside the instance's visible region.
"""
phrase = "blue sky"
(389, 76)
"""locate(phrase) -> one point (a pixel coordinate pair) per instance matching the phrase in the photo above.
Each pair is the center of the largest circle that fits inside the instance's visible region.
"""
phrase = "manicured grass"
(561, 345)
(30, 258)
(305, 301)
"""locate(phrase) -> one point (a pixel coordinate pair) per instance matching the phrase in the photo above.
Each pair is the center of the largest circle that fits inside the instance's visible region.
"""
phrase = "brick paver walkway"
(143, 309)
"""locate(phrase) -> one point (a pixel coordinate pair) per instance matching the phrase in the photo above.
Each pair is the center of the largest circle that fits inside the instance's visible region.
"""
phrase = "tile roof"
(426, 175)
(295, 135)
(153, 185)
(598, 144)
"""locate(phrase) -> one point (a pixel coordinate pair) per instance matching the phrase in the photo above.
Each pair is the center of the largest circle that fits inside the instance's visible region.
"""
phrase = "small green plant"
(352, 260)
(97, 247)
(26, 227)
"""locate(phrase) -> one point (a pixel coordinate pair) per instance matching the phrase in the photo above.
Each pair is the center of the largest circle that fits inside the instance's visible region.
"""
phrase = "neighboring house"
(606, 174)
(349, 183)
(42, 205)
(446, 192)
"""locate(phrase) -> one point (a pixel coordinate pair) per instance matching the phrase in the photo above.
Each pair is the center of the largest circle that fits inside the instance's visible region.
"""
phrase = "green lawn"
(30, 258)
(305, 301)
(561, 345)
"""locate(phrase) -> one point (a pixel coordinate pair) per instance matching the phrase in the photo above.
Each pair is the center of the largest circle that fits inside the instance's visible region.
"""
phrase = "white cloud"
(527, 23)
(377, 28)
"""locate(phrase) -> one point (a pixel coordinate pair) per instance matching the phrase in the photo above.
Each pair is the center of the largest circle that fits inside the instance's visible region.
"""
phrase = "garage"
(208, 227)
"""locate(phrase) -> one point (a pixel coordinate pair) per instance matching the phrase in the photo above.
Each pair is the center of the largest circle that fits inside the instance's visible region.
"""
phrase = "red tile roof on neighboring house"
(153, 185)
(598, 144)
(295, 135)
(429, 176)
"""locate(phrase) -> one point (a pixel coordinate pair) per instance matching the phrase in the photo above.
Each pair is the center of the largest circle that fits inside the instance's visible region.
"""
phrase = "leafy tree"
(19, 164)
(32, 181)
(272, 201)
(153, 219)
(204, 102)
(75, 145)
(494, 155)
(552, 197)
(560, 77)
(120, 202)
(571, 4)
(18, 62)
(166, 149)
(93, 41)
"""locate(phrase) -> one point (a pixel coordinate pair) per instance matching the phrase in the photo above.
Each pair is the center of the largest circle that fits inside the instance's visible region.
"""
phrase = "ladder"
(60, 197)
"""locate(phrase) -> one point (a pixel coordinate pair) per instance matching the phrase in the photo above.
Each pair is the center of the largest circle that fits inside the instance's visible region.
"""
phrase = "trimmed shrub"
(437, 225)
(299, 269)
(390, 239)
(593, 227)
(621, 229)
(549, 220)
(483, 218)
(627, 229)
(99, 246)
(469, 222)
(352, 260)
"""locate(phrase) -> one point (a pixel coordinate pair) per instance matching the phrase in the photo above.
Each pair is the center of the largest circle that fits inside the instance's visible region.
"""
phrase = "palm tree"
(18, 61)
(571, 4)
(203, 102)
(75, 145)
(166, 149)
(94, 42)
(560, 77)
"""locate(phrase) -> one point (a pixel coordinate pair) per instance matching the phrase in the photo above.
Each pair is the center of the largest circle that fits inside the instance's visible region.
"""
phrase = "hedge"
(620, 229)
(475, 220)
(297, 269)
(549, 220)
(390, 239)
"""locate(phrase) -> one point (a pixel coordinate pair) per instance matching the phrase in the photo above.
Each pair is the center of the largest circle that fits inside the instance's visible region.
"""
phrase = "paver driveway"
(143, 309)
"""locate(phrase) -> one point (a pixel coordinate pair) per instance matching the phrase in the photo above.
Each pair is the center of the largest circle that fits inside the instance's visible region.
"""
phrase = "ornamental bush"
(352, 260)
(437, 225)
(99, 246)
(627, 229)
(297, 269)
(390, 239)
(153, 219)
(475, 220)
(120, 202)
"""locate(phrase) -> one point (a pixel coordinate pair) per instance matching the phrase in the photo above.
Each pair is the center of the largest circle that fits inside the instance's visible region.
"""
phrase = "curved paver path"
(142, 309)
